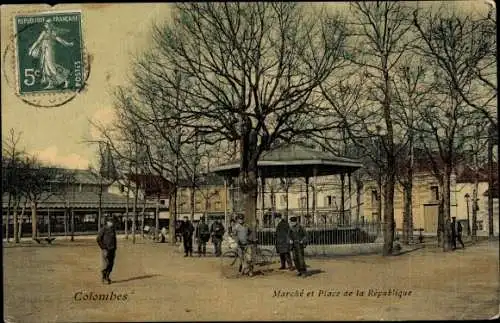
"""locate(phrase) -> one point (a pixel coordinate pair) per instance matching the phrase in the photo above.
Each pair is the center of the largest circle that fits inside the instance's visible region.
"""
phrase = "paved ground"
(41, 283)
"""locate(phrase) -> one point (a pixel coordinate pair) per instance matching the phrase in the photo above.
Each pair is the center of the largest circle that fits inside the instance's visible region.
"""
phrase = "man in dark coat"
(456, 233)
(187, 230)
(283, 243)
(298, 240)
(202, 236)
(217, 231)
(106, 239)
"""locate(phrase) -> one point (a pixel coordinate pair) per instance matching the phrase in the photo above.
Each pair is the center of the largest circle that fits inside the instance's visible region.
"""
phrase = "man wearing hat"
(187, 230)
(456, 233)
(106, 239)
(202, 236)
(241, 234)
(298, 240)
(283, 242)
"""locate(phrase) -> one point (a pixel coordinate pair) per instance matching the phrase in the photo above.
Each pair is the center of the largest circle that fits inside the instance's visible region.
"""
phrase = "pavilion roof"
(295, 161)
(85, 200)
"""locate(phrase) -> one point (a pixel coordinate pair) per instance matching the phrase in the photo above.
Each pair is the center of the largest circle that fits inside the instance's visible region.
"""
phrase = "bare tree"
(12, 185)
(383, 30)
(251, 69)
(463, 49)
(412, 89)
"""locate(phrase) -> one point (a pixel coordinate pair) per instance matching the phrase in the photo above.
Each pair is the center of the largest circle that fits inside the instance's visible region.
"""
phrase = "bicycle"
(232, 261)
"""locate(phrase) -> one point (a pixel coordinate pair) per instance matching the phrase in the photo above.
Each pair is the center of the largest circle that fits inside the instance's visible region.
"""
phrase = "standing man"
(456, 233)
(241, 234)
(283, 242)
(187, 230)
(106, 239)
(217, 231)
(202, 236)
(298, 240)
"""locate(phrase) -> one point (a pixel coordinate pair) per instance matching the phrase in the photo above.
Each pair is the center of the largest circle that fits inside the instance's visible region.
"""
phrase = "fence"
(329, 234)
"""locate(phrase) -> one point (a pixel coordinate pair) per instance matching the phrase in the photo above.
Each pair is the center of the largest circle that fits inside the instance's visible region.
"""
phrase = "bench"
(48, 240)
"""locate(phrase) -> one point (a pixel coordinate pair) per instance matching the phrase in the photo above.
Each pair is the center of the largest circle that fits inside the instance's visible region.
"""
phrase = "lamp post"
(467, 197)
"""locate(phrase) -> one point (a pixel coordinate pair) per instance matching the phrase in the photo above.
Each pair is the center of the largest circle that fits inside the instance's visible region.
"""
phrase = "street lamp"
(467, 197)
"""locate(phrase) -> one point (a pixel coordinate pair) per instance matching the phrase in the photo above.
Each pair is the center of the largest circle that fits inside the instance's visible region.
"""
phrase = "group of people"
(203, 233)
(290, 238)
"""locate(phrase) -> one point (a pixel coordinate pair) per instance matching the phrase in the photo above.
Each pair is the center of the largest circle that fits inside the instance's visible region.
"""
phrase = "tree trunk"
(48, 224)
(446, 207)
(8, 216)
(491, 183)
(408, 212)
(389, 214)
(157, 216)
(359, 188)
(99, 216)
(440, 228)
(474, 208)
(134, 211)
(16, 220)
(127, 207)
(66, 222)
(173, 217)
(34, 219)
(72, 224)
(21, 218)
(342, 199)
(192, 202)
(249, 193)
(142, 215)
(273, 199)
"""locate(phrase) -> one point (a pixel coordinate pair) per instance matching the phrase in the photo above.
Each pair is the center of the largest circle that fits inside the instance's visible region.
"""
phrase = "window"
(122, 188)
(435, 192)
(329, 201)
(162, 202)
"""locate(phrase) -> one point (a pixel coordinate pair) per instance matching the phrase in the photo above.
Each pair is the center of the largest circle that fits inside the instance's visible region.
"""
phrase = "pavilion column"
(342, 198)
(350, 196)
(307, 199)
(315, 221)
(225, 202)
(286, 193)
(263, 194)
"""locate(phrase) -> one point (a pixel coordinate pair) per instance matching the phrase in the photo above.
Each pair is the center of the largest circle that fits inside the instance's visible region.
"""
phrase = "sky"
(112, 34)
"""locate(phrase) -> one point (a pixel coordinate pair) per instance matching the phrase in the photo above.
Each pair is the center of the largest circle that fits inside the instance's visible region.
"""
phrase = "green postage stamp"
(49, 52)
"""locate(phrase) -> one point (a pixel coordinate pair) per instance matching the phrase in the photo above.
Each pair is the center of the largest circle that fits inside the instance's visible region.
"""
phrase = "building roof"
(84, 200)
(152, 184)
(295, 161)
(210, 179)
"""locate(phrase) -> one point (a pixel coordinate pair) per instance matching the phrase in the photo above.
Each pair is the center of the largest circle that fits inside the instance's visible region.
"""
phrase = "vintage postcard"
(245, 161)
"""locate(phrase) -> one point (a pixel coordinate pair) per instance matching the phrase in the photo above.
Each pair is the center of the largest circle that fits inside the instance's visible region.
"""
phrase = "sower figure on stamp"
(217, 231)
(283, 242)
(202, 236)
(106, 239)
(187, 230)
(43, 48)
(298, 240)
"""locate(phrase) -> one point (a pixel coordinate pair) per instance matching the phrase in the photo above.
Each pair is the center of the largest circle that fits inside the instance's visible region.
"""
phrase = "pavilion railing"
(328, 233)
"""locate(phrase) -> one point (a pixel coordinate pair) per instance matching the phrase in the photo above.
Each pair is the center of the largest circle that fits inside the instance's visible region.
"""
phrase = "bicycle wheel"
(230, 263)
(267, 256)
